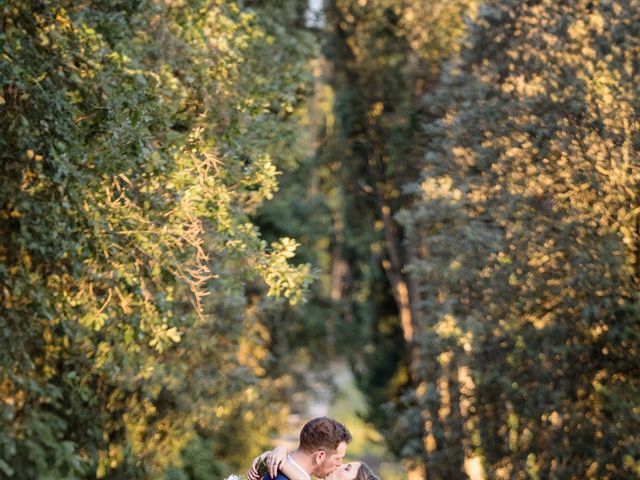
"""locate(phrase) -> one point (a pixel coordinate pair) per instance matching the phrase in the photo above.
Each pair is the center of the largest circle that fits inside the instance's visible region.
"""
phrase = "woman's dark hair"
(365, 473)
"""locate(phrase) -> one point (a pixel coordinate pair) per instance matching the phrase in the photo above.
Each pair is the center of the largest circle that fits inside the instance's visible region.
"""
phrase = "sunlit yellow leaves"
(262, 175)
(62, 19)
(281, 278)
(447, 327)
(376, 109)
(94, 320)
(440, 188)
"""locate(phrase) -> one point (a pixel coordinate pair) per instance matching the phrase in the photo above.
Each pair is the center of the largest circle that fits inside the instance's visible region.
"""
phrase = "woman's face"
(348, 471)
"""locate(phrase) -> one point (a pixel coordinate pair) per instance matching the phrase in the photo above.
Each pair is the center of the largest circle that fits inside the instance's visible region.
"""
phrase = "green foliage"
(526, 233)
(136, 143)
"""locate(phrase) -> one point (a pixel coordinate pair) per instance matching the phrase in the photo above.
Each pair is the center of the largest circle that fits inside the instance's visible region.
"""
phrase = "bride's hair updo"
(365, 473)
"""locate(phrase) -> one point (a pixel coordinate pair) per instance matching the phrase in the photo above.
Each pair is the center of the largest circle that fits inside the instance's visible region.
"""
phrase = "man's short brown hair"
(323, 433)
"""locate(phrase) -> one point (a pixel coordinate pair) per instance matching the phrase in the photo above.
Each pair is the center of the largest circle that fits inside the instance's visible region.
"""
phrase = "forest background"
(204, 200)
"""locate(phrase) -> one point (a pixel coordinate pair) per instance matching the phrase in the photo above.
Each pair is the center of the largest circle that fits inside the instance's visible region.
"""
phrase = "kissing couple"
(323, 445)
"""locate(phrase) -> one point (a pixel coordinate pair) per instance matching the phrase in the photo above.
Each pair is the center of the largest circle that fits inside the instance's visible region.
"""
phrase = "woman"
(353, 471)
(278, 460)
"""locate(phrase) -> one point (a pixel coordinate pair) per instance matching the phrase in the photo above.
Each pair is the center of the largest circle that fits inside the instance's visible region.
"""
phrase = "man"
(323, 444)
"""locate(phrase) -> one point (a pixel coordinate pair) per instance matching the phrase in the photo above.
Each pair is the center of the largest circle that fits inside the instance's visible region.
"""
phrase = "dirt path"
(336, 395)
(316, 402)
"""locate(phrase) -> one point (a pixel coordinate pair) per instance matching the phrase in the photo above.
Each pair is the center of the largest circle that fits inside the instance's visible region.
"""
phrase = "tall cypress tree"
(527, 236)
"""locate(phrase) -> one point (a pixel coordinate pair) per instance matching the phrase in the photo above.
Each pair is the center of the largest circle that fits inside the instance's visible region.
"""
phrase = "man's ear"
(319, 456)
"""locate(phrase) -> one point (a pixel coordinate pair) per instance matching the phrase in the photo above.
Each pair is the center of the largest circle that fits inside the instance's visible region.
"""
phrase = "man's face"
(332, 460)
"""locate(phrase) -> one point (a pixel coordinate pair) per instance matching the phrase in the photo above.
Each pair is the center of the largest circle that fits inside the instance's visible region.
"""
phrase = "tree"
(136, 142)
(527, 236)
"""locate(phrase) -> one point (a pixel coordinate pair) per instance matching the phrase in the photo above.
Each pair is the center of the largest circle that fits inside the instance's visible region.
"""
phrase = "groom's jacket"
(280, 476)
